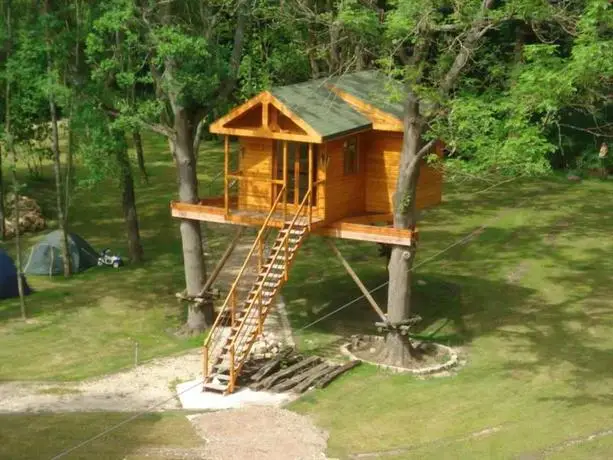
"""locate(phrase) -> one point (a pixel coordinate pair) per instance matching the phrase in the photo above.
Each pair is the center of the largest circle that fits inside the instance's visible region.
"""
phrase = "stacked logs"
(289, 371)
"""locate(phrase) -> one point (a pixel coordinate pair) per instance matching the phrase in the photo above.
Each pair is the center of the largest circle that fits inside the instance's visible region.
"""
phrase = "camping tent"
(8, 278)
(45, 258)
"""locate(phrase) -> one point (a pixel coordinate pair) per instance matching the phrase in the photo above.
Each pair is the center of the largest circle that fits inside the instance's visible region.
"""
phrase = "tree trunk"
(22, 300)
(128, 202)
(198, 137)
(68, 175)
(199, 316)
(140, 155)
(397, 347)
(2, 215)
(8, 138)
(55, 147)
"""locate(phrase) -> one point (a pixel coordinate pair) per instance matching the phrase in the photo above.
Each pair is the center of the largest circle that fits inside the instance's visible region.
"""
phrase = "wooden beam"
(265, 114)
(350, 231)
(297, 177)
(285, 180)
(226, 167)
(266, 133)
(310, 192)
(197, 212)
(370, 219)
(255, 177)
(222, 262)
(357, 280)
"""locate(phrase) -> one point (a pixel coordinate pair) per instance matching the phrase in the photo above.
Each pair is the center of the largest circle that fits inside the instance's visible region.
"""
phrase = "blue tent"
(8, 278)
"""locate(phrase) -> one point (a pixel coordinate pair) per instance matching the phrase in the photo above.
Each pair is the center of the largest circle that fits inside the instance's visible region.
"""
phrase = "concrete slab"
(195, 399)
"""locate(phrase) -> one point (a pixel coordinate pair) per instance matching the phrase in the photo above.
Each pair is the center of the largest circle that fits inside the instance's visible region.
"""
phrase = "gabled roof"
(320, 109)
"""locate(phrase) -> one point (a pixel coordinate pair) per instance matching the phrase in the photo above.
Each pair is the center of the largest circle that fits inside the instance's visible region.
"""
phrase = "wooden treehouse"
(315, 158)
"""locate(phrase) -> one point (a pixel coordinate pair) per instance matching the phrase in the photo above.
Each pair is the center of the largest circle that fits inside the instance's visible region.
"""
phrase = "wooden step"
(270, 275)
(290, 248)
(275, 266)
(216, 387)
(293, 231)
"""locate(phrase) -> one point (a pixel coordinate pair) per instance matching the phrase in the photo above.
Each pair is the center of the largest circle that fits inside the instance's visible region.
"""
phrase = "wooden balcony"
(359, 228)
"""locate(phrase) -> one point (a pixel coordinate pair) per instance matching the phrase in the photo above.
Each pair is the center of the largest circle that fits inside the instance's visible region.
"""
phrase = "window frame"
(351, 159)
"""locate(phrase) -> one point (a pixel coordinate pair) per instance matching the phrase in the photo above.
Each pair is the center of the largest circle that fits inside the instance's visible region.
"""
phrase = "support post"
(284, 181)
(233, 308)
(265, 114)
(357, 281)
(222, 262)
(297, 177)
(226, 168)
(260, 320)
(260, 254)
(310, 192)
(205, 363)
(286, 268)
(232, 376)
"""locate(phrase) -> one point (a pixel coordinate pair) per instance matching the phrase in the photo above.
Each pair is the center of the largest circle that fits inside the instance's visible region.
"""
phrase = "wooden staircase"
(239, 323)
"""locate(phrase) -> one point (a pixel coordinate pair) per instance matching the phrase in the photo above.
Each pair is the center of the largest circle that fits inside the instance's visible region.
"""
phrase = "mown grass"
(27, 437)
(528, 300)
(88, 325)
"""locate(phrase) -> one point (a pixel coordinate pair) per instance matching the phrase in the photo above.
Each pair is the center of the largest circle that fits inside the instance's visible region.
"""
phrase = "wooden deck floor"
(360, 228)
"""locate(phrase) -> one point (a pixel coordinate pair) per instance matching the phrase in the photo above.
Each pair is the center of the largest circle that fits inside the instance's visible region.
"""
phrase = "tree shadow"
(537, 279)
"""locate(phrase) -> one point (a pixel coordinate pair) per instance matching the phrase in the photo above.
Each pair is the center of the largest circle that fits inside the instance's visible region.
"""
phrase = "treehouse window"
(350, 149)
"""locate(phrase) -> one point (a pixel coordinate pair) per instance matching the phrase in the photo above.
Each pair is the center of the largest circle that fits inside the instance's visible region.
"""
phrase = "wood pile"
(30, 216)
(289, 371)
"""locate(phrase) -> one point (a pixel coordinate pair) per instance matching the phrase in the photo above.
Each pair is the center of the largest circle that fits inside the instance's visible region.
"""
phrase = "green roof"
(374, 88)
(327, 113)
(321, 109)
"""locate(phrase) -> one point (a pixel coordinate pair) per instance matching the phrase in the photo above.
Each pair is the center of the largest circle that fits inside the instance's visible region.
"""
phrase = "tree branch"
(479, 28)
(591, 131)
(235, 58)
(155, 127)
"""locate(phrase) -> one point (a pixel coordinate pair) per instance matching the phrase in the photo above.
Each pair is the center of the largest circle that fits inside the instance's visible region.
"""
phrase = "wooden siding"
(382, 172)
(255, 161)
(344, 194)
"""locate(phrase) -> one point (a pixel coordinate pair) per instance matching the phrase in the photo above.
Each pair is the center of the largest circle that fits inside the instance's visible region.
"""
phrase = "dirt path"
(133, 390)
(260, 433)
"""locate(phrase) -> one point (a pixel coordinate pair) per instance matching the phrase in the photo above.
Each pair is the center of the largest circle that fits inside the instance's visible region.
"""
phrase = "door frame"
(293, 172)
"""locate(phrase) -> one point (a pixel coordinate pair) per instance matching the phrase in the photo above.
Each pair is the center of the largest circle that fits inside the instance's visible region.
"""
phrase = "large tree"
(195, 51)
(487, 77)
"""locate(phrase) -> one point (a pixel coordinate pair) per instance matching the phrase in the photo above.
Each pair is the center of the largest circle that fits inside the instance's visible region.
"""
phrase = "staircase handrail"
(258, 292)
(244, 266)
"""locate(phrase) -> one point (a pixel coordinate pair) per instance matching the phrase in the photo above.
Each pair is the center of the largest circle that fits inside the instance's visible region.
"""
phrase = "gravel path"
(260, 433)
(130, 391)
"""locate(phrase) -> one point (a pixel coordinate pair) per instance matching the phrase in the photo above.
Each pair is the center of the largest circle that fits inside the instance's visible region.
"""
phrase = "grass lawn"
(26, 437)
(86, 326)
(529, 302)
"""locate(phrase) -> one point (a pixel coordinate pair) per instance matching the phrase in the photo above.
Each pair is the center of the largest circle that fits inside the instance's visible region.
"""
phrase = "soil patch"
(429, 357)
